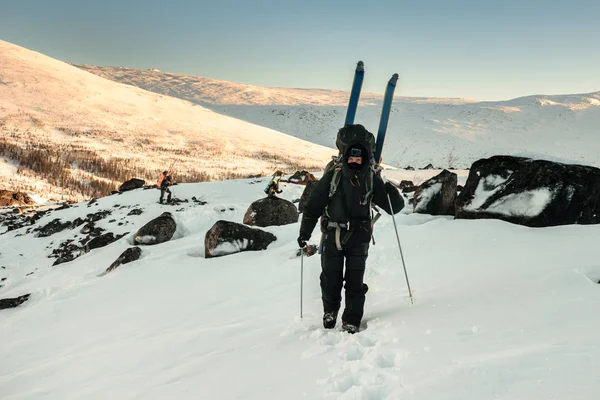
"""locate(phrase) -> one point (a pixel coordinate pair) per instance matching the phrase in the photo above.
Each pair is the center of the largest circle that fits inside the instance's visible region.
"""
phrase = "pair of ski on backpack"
(353, 134)
(345, 137)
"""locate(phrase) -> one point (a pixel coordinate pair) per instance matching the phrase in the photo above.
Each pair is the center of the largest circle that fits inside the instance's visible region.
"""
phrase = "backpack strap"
(333, 185)
(335, 181)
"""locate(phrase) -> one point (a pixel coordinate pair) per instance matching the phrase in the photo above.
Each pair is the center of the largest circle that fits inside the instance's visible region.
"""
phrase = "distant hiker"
(342, 198)
(164, 182)
(273, 186)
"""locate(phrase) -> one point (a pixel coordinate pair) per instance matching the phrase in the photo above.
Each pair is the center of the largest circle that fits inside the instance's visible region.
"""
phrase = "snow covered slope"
(47, 103)
(501, 311)
(445, 132)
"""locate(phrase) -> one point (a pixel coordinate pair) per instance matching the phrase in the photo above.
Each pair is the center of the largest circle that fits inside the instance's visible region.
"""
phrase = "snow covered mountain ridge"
(444, 132)
(90, 131)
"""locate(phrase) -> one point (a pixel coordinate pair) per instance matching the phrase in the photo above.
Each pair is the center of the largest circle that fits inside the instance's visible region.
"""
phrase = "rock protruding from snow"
(529, 192)
(306, 195)
(13, 302)
(53, 227)
(9, 198)
(302, 178)
(227, 237)
(100, 241)
(437, 195)
(271, 211)
(129, 255)
(159, 230)
(131, 184)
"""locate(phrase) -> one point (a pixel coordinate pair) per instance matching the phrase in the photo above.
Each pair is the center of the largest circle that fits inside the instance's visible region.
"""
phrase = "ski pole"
(301, 278)
(400, 247)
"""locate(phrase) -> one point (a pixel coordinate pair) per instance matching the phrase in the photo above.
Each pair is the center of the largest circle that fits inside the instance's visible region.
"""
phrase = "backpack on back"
(347, 136)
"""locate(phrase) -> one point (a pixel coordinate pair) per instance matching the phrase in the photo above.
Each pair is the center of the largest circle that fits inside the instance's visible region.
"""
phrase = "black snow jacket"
(347, 203)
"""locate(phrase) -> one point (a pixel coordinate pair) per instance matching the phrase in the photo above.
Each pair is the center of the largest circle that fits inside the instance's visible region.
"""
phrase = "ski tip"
(394, 79)
(360, 66)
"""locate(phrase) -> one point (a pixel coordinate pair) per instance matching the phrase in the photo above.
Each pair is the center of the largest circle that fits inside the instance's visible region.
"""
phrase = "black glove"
(302, 242)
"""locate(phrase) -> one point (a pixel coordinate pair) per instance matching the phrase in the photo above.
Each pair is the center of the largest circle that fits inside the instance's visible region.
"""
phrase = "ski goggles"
(354, 152)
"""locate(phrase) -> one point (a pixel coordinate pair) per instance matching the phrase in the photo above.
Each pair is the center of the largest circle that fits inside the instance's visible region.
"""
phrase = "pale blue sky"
(487, 50)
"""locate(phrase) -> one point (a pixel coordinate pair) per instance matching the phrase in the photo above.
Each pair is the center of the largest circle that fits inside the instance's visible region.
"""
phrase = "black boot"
(352, 329)
(329, 320)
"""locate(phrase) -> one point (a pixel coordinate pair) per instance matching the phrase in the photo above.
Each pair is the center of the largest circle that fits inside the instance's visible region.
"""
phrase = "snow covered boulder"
(271, 211)
(229, 237)
(159, 230)
(529, 192)
(305, 195)
(131, 184)
(437, 195)
(9, 198)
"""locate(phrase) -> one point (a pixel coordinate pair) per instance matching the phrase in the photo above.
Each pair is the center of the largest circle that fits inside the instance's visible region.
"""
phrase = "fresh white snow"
(426, 195)
(501, 312)
(529, 203)
(485, 189)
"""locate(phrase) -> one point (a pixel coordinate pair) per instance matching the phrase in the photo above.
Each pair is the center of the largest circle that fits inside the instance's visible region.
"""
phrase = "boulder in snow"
(159, 230)
(129, 255)
(229, 237)
(52, 227)
(131, 184)
(100, 241)
(437, 195)
(271, 211)
(529, 192)
(13, 302)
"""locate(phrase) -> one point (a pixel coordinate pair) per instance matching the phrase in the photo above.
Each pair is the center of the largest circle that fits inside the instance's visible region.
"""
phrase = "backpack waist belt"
(338, 232)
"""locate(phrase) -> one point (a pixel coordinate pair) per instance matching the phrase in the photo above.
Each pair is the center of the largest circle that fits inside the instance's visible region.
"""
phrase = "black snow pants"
(162, 194)
(333, 277)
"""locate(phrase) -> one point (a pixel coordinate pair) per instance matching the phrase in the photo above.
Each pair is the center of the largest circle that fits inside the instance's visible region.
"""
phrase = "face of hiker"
(355, 158)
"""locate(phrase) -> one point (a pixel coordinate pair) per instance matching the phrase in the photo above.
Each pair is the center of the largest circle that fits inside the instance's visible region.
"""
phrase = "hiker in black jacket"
(347, 228)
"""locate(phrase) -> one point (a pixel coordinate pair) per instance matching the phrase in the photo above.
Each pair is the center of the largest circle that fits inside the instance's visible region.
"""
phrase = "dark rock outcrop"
(129, 255)
(404, 184)
(302, 178)
(9, 198)
(271, 211)
(159, 230)
(97, 216)
(306, 195)
(132, 184)
(529, 192)
(100, 241)
(13, 302)
(229, 237)
(437, 195)
(52, 227)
